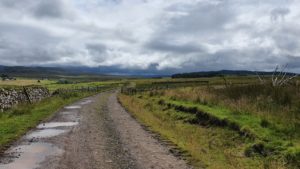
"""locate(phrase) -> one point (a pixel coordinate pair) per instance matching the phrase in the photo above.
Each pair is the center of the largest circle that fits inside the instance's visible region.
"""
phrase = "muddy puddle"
(29, 156)
(45, 133)
(56, 124)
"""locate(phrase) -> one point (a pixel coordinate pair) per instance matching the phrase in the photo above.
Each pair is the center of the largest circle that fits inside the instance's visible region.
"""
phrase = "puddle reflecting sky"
(31, 155)
(73, 107)
(45, 133)
(56, 124)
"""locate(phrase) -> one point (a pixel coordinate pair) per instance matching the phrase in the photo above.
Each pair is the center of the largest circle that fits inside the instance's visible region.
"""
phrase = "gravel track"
(93, 133)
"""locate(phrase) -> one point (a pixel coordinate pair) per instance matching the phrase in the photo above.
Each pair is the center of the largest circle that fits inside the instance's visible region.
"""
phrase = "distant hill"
(52, 72)
(222, 73)
(101, 71)
(32, 70)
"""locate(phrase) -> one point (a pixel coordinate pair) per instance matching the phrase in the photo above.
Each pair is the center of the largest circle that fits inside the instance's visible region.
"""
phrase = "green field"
(53, 85)
(24, 82)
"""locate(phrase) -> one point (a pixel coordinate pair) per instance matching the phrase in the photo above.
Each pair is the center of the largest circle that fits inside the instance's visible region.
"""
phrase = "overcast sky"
(154, 35)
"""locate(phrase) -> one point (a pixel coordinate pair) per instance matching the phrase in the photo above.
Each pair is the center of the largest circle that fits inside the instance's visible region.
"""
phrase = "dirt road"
(94, 133)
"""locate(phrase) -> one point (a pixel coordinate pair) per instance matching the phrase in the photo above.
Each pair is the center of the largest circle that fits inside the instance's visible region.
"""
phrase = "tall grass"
(209, 146)
(276, 107)
(279, 105)
(271, 114)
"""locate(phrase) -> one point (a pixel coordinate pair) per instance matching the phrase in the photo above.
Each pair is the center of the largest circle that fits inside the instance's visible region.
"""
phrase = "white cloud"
(182, 35)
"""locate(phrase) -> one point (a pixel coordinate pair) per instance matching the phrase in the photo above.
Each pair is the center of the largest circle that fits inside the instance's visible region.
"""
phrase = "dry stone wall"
(12, 96)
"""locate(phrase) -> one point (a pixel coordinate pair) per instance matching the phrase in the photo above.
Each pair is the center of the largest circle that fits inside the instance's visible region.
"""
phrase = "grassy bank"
(209, 147)
(271, 114)
(211, 126)
(280, 106)
(17, 121)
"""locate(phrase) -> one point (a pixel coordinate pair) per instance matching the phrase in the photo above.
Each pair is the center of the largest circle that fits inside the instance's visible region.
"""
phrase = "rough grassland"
(271, 143)
(209, 146)
(269, 114)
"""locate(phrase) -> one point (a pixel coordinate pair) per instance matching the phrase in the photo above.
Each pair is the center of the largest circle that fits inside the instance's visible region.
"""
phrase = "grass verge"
(270, 140)
(208, 146)
(259, 142)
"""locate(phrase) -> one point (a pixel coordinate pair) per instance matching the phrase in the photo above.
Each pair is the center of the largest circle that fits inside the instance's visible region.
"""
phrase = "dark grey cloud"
(293, 62)
(13, 3)
(96, 48)
(51, 9)
(24, 44)
(165, 46)
(279, 13)
(97, 51)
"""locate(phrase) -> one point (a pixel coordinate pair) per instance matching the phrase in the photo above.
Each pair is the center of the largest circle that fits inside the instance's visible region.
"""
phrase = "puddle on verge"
(56, 124)
(31, 155)
(45, 133)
